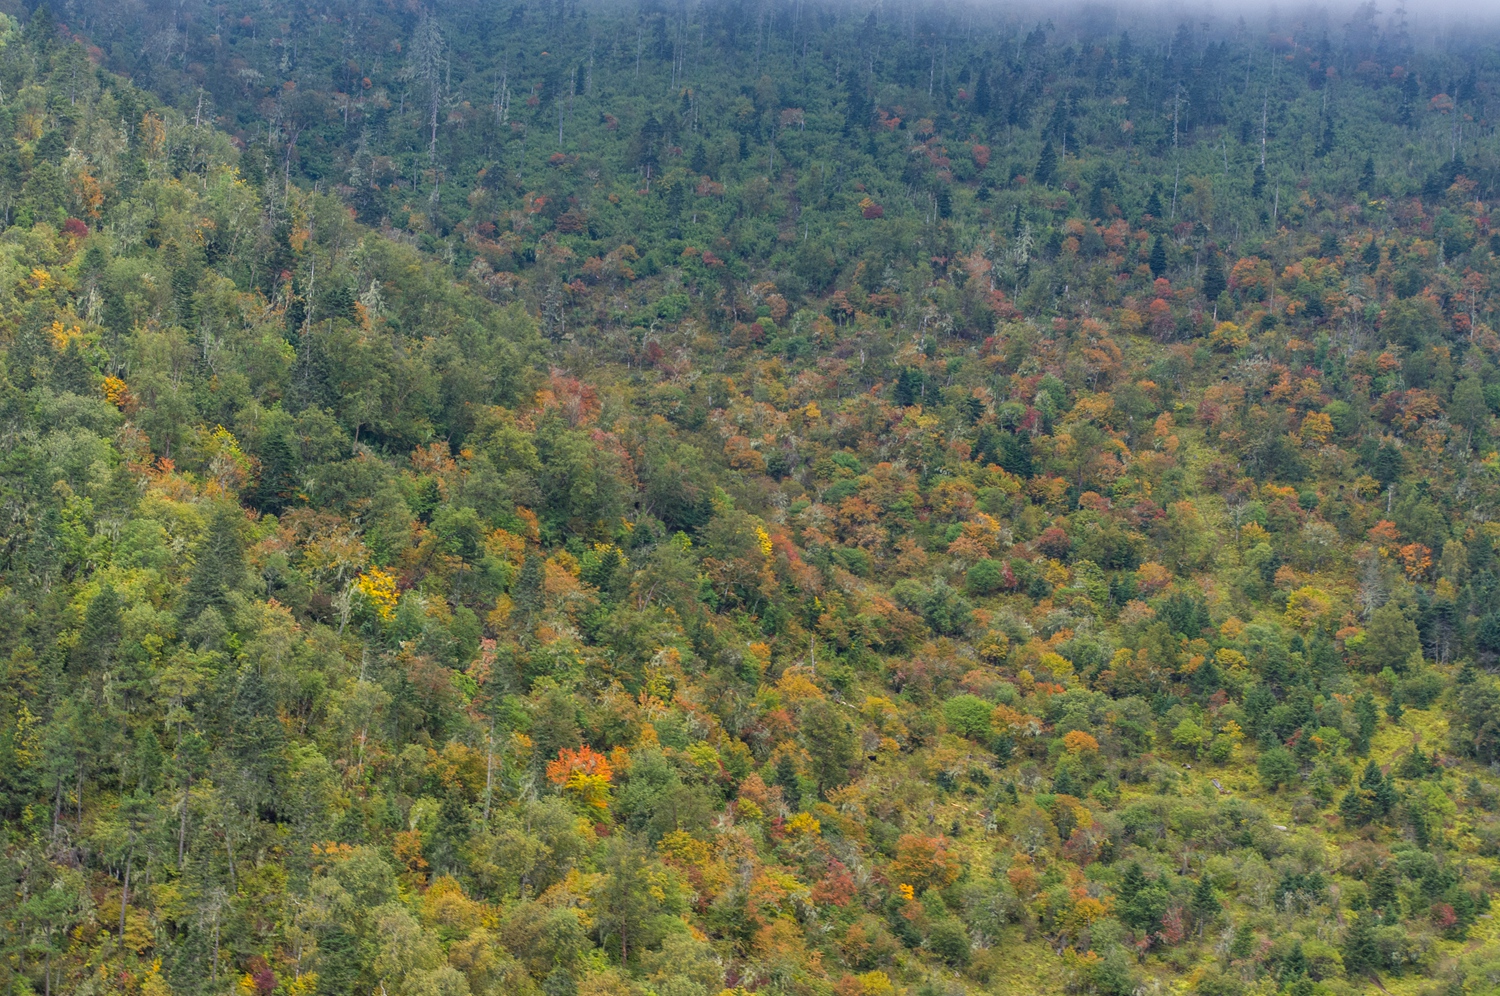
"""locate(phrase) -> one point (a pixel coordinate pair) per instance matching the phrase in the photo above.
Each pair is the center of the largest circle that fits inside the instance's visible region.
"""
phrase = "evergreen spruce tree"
(1258, 182)
(1153, 209)
(1330, 139)
(1132, 882)
(526, 591)
(1214, 282)
(908, 390)
(1354, 808)
(277, 487)
(786, 777)
(1205, 903)
(1385, 796)
(1384, 897)
(218, 563)
(1046, 166)
(982, 96)
(71, 372)
(99, 634)
(1371, 255)
(1096, 202)
(1158, 260)
(1367, 175)
(1294, 965)
(857, 107)
(255, 738)
(1360, 953)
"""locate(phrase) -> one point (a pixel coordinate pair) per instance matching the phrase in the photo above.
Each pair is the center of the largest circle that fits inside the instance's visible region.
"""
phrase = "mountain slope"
(880, 505)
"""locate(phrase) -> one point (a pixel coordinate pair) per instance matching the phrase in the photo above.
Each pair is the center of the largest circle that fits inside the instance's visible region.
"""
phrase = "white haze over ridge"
(1444, 24)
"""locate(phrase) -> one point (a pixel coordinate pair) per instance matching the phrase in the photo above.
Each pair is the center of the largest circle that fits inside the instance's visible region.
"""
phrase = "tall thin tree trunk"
(125, 898)
(182, 826)
(489, 772)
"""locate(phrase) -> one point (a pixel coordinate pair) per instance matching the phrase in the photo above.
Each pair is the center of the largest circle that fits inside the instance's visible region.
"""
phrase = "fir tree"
(982, 96)
(1354, 807)
(908, 389)
(1205, 903)
(1330, 139)
(857, 106)
(1360, 952)
(1258, 182)
(786, 777)
(1046, 166)
(1294, 965)
(1153, 210)
(99, 634)
(277, 487)
(255, 736)
(1132, 882)
(1384, 898)
(526, 591)
(1384, 796)
(218, 563)
(1158, 260)
(1367, 175)
(1213, 277)
(1096, 202)
(1371, 255)
(253, 164)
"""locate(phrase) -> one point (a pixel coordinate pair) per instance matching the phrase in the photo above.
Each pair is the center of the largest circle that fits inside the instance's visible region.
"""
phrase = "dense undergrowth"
(779, 500)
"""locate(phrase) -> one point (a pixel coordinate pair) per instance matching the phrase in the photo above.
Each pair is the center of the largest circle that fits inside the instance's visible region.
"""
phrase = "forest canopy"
(718, 499)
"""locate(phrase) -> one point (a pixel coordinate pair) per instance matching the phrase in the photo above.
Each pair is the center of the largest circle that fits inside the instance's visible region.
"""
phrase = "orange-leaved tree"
(583, 774)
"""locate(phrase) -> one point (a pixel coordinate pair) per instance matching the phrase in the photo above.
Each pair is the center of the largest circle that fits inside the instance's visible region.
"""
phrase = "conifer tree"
(1046, 166)
(1294, 966)
(1205, 903)
(1384, 897)
(277, 487)
(1360, 952)
(99, 634)
(255, 737)
(218, 563)
(526, 592)
(1158, 260)
(857, 106)
(1213, 276)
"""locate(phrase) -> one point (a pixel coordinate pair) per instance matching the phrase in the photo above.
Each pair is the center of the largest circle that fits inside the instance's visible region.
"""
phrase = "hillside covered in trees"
(570, 499)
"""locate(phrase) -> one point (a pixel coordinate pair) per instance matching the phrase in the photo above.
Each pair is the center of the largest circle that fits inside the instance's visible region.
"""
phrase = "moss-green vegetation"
(772, 500)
